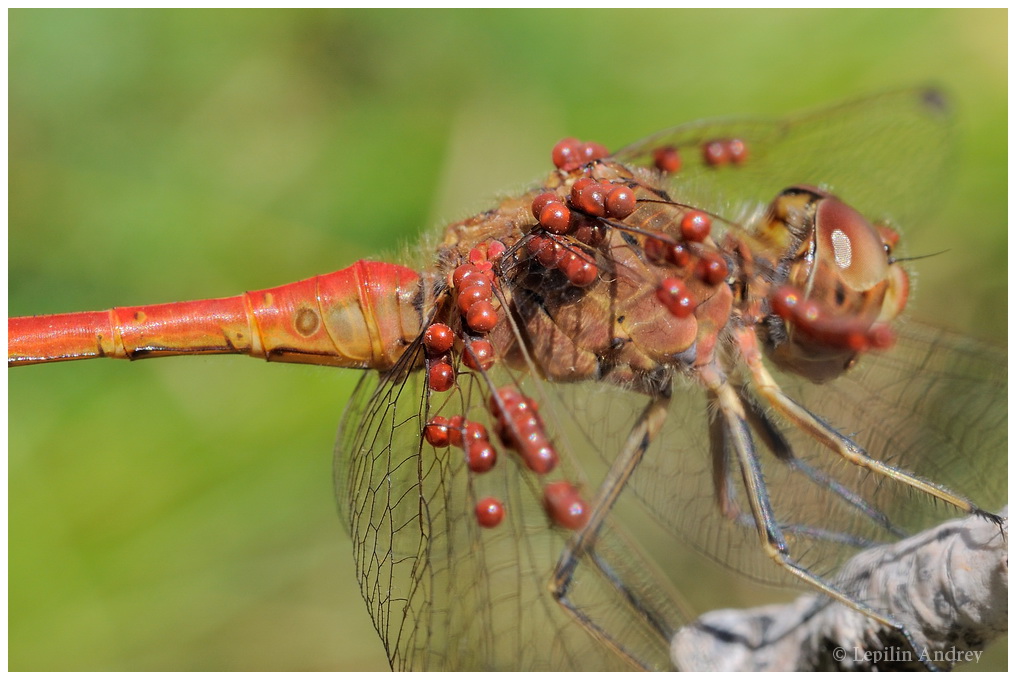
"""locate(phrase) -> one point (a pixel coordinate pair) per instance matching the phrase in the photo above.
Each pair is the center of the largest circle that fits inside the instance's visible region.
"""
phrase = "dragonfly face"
(842, 287)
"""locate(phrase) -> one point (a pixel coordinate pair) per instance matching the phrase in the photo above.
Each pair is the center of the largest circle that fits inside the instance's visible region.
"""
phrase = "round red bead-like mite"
(620, 202)
(436, 432)
(535, 243)
(507, 397)
(589, 198)
(478, 355)
(472, 431)
(478, 280)
(666, 159)
(455, 426)
(464, 272)
(580, 271)
(678, 255)
(541, 201)
(440, 376)
(673, 294)
(564, 505)
(712, 269)
(716, 153)
(591, 151)
(438, 339)
(538, 454)
(473, 293)
(480, 455)
(738, 151)
(489, 513)
(482, 317)
(589, 232)
(555, 217)
(695, 226)
(550, 253)
(565, 154)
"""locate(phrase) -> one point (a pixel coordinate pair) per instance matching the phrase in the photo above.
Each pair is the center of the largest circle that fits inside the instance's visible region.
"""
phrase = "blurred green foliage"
(179, 514)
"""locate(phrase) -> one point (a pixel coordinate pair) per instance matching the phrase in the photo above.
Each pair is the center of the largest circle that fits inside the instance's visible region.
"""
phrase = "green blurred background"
(179, 514)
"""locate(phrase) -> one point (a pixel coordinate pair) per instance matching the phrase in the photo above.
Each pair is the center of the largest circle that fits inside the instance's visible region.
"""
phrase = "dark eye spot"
(306, 321)
(841, 295)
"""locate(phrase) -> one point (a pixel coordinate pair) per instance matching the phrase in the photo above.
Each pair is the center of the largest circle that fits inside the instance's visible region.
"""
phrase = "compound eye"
(850, 245)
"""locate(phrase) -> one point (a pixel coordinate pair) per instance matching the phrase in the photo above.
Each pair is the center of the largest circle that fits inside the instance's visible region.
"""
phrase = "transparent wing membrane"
(856, 150)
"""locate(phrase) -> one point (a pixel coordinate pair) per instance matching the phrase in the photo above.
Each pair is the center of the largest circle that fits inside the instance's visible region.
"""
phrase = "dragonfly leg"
(770, 434)
(583, 545)
(738, 434)
(843, 446)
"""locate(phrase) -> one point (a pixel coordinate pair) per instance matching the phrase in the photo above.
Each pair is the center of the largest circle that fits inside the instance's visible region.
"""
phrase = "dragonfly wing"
(445, 593)
(856, 150)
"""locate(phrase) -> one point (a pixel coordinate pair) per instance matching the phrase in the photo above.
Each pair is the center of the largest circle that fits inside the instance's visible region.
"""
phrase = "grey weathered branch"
(948, 586)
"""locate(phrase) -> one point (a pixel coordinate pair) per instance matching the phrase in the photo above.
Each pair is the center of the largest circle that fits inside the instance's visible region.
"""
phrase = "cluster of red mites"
(474, 286)
(710, 267)
(577, 217)
(808, 316)
(564, 505)
(723, 151)
(471, 436)
(520, 428)
(571, 154)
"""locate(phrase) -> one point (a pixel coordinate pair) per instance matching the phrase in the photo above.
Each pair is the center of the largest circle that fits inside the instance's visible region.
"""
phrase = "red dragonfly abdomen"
(362, 316)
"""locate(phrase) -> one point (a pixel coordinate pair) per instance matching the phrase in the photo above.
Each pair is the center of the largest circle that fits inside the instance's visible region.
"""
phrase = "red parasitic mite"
(673, 295)
(478, 355)
(712, 269)
(678, 255)
(440, 376)
(438, 339)
(481, 317)
(565, 154)
(538, 454)
(655, 249)
(472, 293)
(495, 249)
(716, 152)
(436, 432)
(489, 513)
(555, 217)
(474, 431)
(738, 151)
(620, 202)
(589, 197)
(564, 505)
(550, 252)
(541, 201)
(580, 271)
(456, 424)
(695, 226)
(667, 160)
(464, 272)
(480, 455)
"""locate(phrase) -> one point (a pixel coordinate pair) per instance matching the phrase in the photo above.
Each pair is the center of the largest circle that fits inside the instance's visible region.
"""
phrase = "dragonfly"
(702, 331)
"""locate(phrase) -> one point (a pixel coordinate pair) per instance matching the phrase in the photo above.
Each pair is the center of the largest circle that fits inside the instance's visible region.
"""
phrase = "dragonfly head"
(838, 285)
